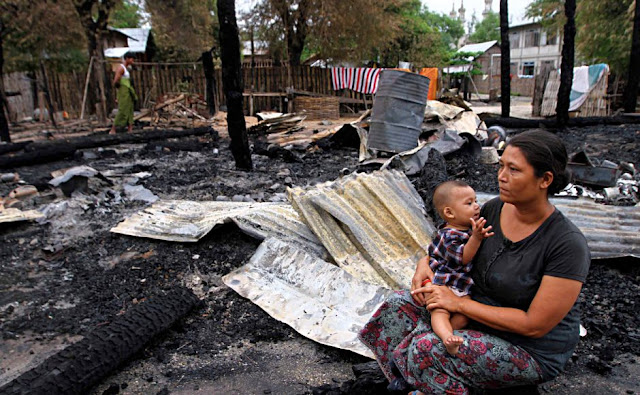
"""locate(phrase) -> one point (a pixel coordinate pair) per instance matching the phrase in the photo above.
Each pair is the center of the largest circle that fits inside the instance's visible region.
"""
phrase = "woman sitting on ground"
(527, 278)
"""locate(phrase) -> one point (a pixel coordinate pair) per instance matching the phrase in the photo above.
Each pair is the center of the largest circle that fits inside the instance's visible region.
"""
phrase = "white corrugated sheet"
(16, 215)
(317, 299)
(611, 231)
(189, 221)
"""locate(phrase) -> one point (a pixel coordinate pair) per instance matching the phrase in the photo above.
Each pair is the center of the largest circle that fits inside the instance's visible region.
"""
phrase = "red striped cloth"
(361, 79)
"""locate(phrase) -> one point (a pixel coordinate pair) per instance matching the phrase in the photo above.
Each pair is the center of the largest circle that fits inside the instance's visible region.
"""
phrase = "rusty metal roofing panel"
(317, 299)
(373, 225)
(398, 111)
(189, 221)
(611, 231)
(15, 215)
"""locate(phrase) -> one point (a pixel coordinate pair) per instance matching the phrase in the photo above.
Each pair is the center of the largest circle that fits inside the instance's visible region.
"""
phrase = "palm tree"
(505, 59)
(631, 91)
(566, 68)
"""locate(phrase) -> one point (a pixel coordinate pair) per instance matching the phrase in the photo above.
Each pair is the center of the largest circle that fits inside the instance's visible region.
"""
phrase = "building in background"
(533, 49)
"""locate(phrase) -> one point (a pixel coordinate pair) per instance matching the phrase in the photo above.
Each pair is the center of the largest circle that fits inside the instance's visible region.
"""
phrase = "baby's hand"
(479, 231)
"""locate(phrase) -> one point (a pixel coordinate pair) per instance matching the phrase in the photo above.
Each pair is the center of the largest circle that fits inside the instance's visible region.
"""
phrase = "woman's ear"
(546, 180)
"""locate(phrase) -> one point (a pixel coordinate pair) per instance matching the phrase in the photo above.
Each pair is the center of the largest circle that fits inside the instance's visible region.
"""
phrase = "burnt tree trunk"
(94, 22)
(4, 124)
(505, 59)
(232, 83)
(296, 28)
(631, 90)
(566, 69)
(210, 89)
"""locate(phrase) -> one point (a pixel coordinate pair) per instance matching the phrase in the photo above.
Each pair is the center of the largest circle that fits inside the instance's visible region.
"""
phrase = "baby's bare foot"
(452, 344)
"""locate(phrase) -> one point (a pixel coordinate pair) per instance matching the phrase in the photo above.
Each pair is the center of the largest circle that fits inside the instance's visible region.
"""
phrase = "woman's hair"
(128, 55)
(545, 152)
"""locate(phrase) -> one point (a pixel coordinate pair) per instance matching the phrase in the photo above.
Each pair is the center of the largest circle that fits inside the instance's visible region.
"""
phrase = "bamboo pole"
(86, 88)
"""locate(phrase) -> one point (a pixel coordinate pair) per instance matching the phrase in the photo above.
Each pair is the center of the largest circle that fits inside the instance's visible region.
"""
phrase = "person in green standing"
(126, 96)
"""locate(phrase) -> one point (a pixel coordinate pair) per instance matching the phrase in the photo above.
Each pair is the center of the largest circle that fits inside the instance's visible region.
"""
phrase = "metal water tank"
(398, 111)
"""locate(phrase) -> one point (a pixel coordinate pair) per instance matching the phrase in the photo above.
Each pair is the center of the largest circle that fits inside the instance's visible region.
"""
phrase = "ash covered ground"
(68, 276)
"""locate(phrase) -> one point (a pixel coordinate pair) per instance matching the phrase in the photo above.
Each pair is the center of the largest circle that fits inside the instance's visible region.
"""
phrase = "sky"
(516, 8)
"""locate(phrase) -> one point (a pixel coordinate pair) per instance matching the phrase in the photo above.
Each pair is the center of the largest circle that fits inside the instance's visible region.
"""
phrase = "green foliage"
(459, 58)
(604, 28)
(183, 29)
(487, 30)
(604, 32)
(125, 15)
(46, 30)
(425, 38)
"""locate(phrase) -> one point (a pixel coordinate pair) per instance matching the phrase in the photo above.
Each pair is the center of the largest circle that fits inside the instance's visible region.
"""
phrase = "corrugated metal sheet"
(373, 225)
(611, 231)
(317, 299)
(189, 221)
(15, 215)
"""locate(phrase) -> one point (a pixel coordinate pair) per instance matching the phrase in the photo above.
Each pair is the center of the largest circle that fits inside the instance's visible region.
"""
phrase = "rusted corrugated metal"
(317, 299)
(373, 225)
(611, 231)
(189, 221)
(16, 215)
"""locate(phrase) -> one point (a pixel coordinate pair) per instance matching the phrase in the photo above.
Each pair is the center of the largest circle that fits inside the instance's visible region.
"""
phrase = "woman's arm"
(552, 303)
(119, 74)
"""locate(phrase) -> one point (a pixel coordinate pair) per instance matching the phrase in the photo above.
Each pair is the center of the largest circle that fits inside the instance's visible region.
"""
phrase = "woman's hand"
(423, 272)
(440, 297)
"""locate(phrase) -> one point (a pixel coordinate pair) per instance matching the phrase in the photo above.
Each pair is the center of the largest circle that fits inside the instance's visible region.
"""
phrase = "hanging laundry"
(360, 79)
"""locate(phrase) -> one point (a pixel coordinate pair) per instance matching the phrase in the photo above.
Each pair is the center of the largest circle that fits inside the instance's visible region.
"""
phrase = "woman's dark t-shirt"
(508, 274)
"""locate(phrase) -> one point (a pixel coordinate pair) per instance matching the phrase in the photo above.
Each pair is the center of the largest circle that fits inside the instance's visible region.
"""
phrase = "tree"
(38, 30)
(331, 29)
(183, 29)
(566, 68)
(424, 38)
(232, 83)
(505, 59)
(125, 15)
(605, 28)
(631, 90)
(94, 17)
(487, 30)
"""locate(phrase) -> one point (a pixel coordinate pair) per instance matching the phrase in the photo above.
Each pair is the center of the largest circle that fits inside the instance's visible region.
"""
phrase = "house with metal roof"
(139, 41)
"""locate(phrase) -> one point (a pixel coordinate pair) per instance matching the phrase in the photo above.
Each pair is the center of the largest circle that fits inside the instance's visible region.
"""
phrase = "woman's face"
(516, 178)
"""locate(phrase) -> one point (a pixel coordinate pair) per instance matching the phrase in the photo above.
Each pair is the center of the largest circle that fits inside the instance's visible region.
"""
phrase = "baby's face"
(464, 205)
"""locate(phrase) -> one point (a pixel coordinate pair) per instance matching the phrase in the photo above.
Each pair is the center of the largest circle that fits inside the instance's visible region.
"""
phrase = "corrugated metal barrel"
(398, 111)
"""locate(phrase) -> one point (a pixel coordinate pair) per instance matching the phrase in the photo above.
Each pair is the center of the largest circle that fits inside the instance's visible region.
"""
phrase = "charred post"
(566, 69)
(631, 91)
(505, 59)
(232, 83)
(210, 93)
(4, 124)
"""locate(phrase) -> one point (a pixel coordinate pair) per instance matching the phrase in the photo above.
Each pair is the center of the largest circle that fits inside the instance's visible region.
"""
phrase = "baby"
(451, 253)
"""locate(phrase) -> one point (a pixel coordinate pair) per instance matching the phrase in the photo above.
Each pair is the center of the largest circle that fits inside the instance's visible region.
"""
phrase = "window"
(552, 38)
(532, 38)
(514, 40)
(528, 68)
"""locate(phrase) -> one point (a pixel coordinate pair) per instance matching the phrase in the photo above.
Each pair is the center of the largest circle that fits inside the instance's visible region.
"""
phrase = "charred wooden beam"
(49, 151)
